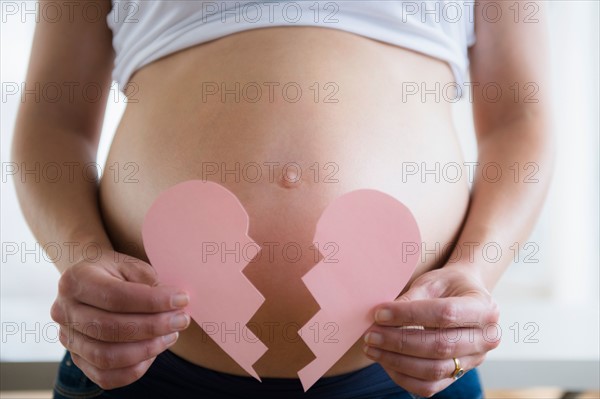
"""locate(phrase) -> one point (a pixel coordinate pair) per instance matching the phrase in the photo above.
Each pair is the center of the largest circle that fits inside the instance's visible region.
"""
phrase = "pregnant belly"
(288, 119)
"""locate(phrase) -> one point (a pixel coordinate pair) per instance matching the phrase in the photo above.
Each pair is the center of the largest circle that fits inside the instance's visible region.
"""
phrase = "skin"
(306, 132)
(120, 289)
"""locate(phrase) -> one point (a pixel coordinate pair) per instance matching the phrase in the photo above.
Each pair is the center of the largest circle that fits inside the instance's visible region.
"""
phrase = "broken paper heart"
(185, 223)
(377, 245)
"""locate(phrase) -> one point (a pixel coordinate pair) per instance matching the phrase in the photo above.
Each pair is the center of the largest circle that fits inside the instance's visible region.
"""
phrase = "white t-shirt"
(146, 30)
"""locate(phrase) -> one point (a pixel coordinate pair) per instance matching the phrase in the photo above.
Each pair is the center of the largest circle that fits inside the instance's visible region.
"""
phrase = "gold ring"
(458, 371)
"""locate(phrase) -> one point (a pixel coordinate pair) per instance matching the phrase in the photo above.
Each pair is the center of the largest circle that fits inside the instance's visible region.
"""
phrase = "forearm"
(60, 205)
(503, 212)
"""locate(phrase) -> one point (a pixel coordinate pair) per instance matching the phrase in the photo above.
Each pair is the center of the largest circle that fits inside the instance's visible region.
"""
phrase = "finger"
(417, 386)
(101, 325)
(423, 369)
(438, 312)
(106, 356)
(433, 344)
(95, 287)
(115, 378)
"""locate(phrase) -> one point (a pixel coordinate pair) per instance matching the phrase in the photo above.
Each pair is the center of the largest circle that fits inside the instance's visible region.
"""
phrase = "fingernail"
(383, 315)
(374, 338)
(179, 321)
(180, 300)
(169, 339)
(372, 352)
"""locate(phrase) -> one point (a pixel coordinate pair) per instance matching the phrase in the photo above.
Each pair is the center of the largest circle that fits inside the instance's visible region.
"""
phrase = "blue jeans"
(171, 377)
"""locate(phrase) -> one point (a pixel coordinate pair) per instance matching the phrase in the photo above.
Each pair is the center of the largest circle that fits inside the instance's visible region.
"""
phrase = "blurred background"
(549, 297)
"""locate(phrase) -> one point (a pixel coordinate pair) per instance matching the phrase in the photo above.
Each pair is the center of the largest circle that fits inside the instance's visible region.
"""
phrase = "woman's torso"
(351, 128)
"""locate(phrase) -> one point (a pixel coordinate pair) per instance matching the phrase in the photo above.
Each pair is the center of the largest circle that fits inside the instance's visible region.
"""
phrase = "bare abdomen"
(229, 111)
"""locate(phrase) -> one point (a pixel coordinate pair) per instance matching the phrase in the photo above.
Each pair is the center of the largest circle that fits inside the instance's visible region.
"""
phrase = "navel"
(290, 178)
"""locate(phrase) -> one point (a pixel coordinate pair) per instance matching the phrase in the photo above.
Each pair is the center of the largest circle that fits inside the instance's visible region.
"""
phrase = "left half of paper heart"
(195, 235)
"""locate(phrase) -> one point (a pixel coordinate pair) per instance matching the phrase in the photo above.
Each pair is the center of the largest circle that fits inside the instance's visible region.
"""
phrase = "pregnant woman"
(288, 105)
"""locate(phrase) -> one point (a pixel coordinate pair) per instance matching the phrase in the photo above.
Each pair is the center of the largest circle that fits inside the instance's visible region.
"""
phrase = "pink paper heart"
(377, 244)
(376, 239)
(184, 227)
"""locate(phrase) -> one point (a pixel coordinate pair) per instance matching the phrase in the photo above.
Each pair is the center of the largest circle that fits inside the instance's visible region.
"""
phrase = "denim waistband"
(172, 377)
(369, 382)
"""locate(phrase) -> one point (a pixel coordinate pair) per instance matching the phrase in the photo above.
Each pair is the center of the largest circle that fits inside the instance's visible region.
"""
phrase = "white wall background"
(550, 309)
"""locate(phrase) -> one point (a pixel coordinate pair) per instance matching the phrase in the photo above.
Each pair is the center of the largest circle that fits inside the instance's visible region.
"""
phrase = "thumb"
(419, 289)
(138, 271)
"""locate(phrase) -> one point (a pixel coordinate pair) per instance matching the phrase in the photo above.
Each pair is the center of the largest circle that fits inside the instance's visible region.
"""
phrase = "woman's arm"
(514, 132)
(134, 318)
(453, 303)
(72, 53)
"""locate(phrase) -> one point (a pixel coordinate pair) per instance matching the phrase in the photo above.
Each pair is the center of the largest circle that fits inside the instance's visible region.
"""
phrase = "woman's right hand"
(115, 317)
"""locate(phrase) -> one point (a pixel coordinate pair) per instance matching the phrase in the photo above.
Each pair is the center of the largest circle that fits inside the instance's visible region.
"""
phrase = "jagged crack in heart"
(369, 227)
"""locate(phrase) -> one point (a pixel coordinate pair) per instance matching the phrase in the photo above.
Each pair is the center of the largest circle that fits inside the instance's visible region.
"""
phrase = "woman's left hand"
(460, 321)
